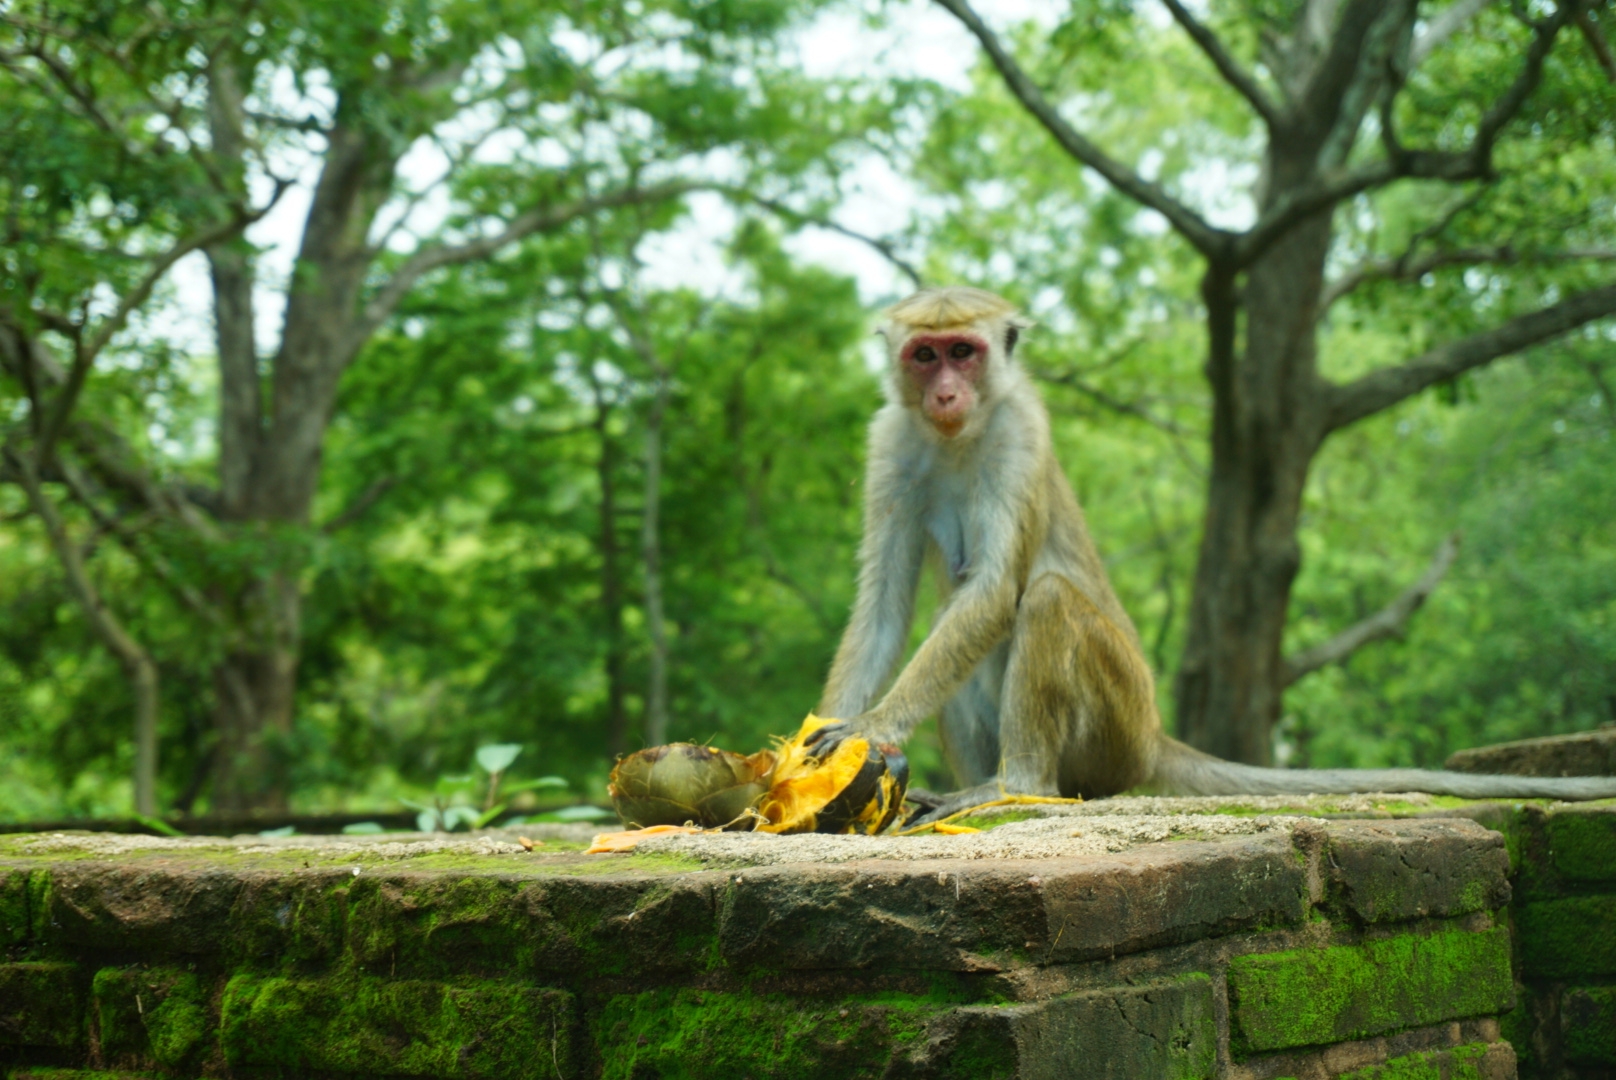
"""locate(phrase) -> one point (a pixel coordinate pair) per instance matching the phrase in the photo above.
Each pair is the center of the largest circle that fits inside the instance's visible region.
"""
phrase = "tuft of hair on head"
(949, 307)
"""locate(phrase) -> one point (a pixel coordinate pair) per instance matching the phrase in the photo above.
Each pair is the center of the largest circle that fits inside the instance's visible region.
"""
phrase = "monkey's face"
(943, 373)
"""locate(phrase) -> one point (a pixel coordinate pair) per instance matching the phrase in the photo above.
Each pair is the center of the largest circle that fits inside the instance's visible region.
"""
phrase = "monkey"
(1035, 670)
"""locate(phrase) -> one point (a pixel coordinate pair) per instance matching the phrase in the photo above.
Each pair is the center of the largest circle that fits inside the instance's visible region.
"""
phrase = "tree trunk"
(269, 466)
(254, 695)
(1267, 423)
(656, 698)
(611, 580)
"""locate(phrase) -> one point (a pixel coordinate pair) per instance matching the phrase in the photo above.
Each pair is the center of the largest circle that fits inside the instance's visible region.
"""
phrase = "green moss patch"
(1570, 937)
(13, 907)
(686, 1034)
(383, 1028)
(150, 1013)
(1588, 1021)
(1582, 844)
(40, 1005)
(992, 819)
(46, 1072)
(1307, 997)
(1460, 1063)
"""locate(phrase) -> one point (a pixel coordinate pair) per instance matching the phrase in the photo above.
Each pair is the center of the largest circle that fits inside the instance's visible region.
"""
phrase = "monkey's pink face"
(944, 370)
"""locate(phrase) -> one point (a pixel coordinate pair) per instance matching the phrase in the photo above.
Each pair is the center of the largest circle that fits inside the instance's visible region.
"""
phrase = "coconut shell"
(683, 783)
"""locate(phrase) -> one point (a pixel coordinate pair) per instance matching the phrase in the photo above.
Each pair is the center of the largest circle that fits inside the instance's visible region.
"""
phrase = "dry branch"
(1389, 621)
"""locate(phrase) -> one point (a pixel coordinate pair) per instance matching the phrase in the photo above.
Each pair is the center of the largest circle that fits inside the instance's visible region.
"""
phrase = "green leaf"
(575, 813)
(497, 757)
(531, 785)
(360, 828)
(158, 825)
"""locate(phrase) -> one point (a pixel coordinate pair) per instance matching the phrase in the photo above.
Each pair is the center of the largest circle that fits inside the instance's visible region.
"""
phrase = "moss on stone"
(39, 896)
(150, 1013)
(49, 1072)
(1582, 844)
(1459, 1063)
(992, 819)
(435, 926)
(40, 1005)
(1588, 1022)
(354, 1024)
(1567, 938)
(13, 907)
(1305, 997)
(675, 1034)
(288, 922)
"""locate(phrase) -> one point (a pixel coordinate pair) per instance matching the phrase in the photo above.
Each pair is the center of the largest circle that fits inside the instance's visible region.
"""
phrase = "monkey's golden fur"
(945, 309)
(1032, 663)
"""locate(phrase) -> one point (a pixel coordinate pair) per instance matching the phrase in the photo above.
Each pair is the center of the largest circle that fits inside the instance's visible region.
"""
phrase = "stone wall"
(1564, 917)
(1131, 938)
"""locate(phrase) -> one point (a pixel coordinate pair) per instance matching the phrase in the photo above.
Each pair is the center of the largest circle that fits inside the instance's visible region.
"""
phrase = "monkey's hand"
(822, 742)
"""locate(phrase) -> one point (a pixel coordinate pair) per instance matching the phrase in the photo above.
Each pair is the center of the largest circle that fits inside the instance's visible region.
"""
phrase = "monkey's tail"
(1183, 770)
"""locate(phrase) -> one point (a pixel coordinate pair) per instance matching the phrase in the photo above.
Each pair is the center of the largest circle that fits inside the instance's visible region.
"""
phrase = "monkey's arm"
(873, 643)
(977, 618)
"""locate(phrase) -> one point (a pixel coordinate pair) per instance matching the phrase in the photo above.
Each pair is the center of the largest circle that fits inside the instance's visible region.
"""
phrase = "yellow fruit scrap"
(626, 840)
(953, 830)
(1006, 800)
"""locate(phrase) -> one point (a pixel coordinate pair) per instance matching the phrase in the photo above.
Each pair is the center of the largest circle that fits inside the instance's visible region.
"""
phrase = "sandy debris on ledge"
(1049, 831)
(1044, 837)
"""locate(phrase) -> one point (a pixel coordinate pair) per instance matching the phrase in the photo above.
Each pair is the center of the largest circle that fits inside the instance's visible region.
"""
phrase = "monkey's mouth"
(948, 426)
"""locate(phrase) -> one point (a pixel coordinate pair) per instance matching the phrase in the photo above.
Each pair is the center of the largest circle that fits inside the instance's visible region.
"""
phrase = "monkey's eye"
(925, 354)
(960, 350)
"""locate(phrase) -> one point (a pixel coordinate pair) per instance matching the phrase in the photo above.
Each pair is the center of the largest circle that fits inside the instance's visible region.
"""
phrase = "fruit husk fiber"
(858, 788)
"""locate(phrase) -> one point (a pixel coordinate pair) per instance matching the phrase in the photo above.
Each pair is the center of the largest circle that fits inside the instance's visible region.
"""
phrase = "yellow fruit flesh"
(804, 785)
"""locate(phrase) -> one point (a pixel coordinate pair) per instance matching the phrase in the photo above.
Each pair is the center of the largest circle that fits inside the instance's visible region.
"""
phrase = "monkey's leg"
(1079, 712)
(970, 722)
(1044, 704)
(1040, 702)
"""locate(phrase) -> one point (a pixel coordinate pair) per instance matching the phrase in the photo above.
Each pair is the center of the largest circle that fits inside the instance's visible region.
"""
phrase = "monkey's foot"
(967, 802)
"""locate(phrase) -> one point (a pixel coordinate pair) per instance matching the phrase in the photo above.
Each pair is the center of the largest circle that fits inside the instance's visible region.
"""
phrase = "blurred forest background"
(552, 432)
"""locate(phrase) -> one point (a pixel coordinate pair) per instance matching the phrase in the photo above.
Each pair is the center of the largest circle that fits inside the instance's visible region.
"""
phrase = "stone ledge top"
(1038, 832)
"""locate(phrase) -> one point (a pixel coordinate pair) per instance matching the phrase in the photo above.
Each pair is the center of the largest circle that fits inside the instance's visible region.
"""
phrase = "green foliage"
(487, 596)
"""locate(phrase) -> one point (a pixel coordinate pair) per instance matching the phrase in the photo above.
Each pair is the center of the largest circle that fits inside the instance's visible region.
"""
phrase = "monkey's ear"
(1012, 333)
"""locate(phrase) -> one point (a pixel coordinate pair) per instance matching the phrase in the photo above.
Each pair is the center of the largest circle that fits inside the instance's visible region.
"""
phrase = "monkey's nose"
(945, 399)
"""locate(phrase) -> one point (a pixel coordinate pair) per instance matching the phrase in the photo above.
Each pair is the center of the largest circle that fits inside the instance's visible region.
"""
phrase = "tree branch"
(1378, 390)
(543, 219)
(1389, 621)
(85, 352)
(357, 509)
(1233, 74)
(131, 655)
(881, 247)
(1446, 23)
(1212, 242)
(1115, 404)
(1472, 163)
(186, 593)
(1407, 268)
(1596, 41)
